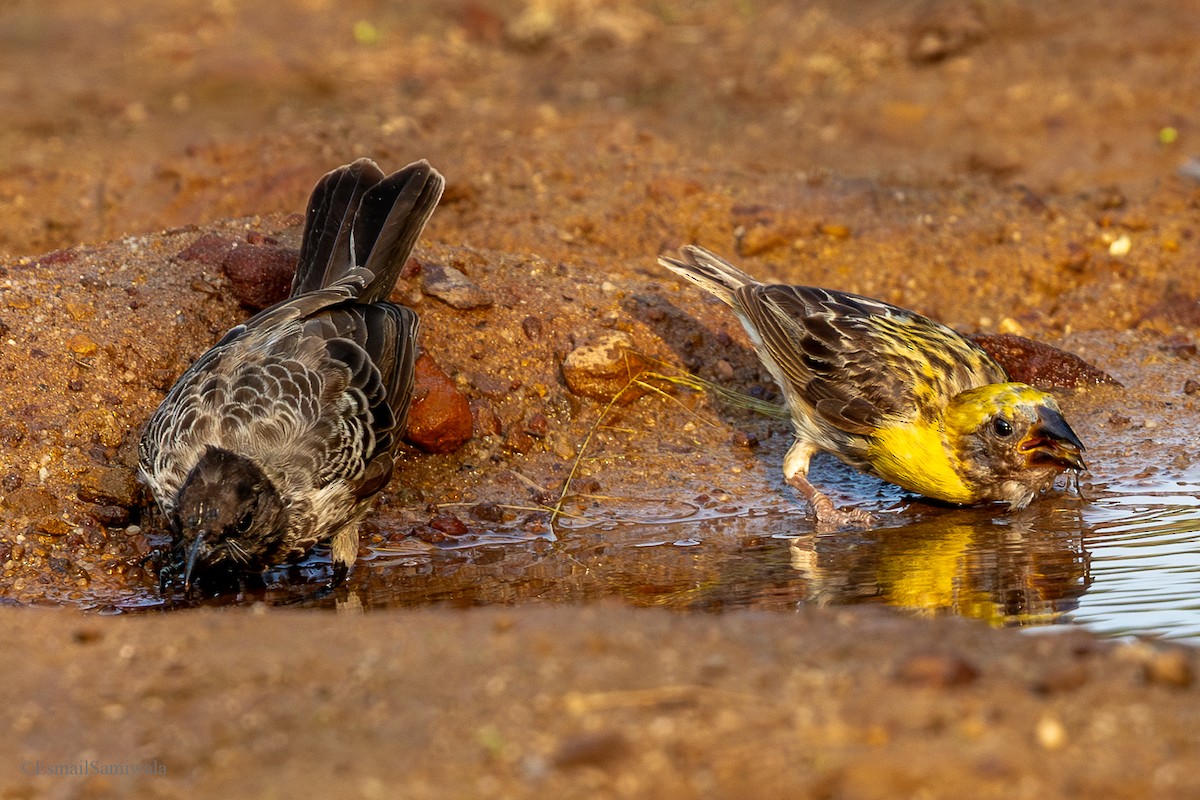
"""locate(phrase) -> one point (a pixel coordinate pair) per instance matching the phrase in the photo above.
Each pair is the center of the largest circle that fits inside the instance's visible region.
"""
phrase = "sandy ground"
(1005, 167)
(604, 701)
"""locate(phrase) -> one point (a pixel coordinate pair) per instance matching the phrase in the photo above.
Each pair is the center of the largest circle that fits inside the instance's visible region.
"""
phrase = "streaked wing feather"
(376, 345)
(857, 361)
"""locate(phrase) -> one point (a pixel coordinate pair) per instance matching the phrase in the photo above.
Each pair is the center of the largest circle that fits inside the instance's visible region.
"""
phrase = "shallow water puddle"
(1125, 561)
(1145, 560)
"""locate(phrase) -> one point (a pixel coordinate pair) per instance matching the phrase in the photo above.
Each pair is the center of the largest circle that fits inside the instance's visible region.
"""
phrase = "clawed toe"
(831, 518)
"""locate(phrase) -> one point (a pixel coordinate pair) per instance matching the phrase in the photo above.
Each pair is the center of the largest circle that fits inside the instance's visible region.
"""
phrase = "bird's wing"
(858, 363)
(323, 398)
(372, 352)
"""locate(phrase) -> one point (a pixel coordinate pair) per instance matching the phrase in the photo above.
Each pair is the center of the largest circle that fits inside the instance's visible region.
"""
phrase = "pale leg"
(795, 472)
(344, 545)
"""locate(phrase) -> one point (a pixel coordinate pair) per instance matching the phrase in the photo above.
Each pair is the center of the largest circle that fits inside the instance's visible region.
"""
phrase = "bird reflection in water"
(1026, 569)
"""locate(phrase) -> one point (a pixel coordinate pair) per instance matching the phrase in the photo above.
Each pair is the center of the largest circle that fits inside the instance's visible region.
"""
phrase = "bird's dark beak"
(1051, 441)
(192, 556)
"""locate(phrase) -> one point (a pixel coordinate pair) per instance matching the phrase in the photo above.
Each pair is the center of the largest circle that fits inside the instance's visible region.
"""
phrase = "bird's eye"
(1002, 427)
(244, 522)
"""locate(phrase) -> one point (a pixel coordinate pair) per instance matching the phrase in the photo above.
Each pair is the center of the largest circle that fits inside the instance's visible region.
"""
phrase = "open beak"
(192, 556)
(1051, 441)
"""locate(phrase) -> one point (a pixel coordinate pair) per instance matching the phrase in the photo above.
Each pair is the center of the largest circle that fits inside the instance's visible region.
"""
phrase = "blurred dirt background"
(1007, 167)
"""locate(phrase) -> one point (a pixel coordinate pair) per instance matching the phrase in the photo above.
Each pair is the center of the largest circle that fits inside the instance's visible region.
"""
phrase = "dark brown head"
(230, 517)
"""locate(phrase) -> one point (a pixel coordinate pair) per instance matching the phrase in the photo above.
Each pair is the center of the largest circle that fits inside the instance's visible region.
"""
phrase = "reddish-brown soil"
(1007, 167)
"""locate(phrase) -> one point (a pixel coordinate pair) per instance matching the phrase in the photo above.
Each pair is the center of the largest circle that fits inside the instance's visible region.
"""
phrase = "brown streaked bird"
(893, 394)
(281, 435)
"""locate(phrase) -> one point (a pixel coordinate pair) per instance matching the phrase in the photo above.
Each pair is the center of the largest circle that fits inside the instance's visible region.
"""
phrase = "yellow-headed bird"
(892, 393)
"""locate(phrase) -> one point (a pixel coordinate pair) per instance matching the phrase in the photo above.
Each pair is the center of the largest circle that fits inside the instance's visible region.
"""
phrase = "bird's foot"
(832, 518)
(338, 579)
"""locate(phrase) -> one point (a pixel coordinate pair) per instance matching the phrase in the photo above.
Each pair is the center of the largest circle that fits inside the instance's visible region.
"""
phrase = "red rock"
(1038, 364)
(439, 420)
(260, 274)
(449, 525)
(58, 257)
(211, 248)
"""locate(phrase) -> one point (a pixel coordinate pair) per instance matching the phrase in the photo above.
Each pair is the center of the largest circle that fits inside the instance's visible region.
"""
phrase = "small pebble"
(518, 441)
(109, 486)
(1169, 668)
(590, 749)
(537, 426)
(86, 635)
(428, 534)
(586, 486)
(532, 328)
(1050, 733)
(449, 525)
(487, 423)
(762, 239)
(1063, 679)
(81, 345)
(452, 287)
(53, 526)
(1076, 257)
(943, 30)
(743, 439)
(488, 512)
(1120, 246)
(492, 386)
(79, 311)
(604, 368)
(937, 670)
(834, 230)
(111, 516)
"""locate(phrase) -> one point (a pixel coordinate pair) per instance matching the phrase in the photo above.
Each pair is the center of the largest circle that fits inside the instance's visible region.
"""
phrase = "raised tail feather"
(709, 271)
(390, 220)
(325, 248)
(359, 218)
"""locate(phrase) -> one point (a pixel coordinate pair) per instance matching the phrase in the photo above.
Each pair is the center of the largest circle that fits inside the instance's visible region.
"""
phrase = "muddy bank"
(97, 334)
